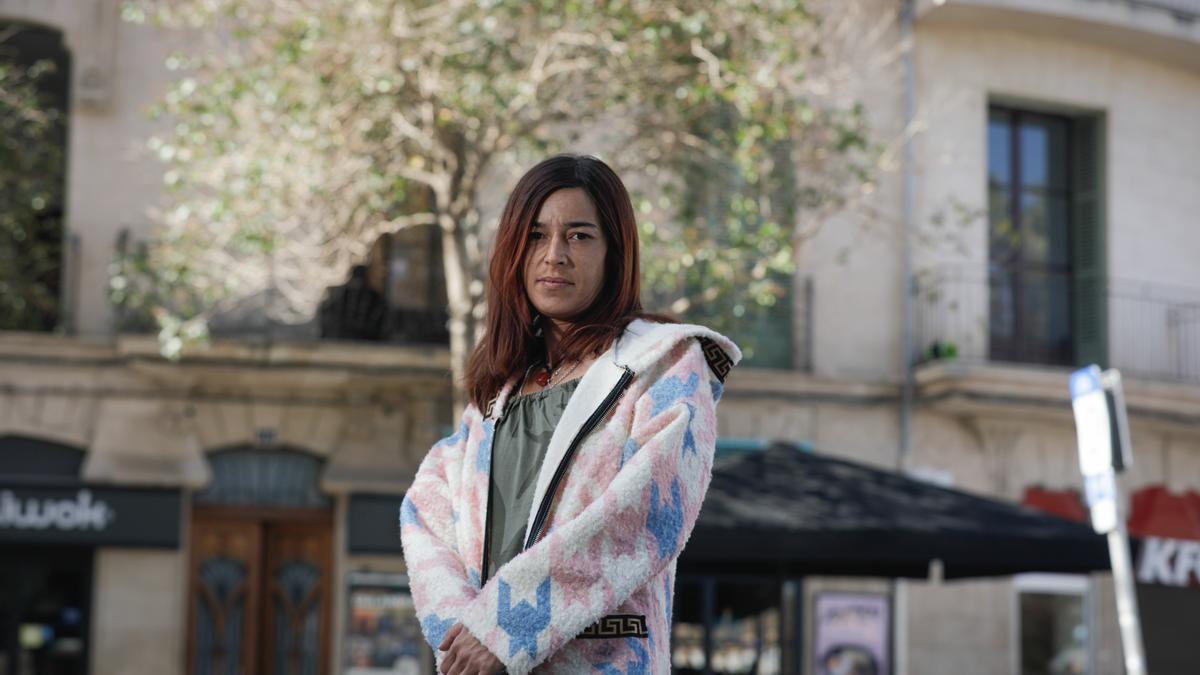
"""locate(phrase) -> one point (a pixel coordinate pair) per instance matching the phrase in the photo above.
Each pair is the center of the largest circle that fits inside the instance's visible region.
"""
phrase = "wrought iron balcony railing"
(1151, 330)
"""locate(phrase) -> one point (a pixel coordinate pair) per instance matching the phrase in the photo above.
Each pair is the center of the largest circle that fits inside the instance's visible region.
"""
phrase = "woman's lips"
(554, 284)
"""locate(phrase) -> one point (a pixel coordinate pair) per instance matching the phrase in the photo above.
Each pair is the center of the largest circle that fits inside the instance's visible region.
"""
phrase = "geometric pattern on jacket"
(619, 516)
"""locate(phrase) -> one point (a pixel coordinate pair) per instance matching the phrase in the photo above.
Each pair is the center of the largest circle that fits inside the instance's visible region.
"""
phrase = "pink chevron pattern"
(615, 528)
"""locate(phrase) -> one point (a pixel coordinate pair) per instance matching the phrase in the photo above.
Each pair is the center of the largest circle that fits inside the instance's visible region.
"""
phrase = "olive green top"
(518, 447)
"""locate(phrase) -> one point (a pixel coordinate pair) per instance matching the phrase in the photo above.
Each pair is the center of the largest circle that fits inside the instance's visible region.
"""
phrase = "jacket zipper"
(487, 510)
(548, 497)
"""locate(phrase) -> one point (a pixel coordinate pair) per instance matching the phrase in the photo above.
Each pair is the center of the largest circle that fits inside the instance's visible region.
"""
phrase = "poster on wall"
(852, 634)
(383, 636)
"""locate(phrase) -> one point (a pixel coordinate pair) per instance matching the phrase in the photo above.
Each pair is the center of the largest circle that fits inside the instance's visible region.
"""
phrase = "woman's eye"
(581, 235)
(535, 235)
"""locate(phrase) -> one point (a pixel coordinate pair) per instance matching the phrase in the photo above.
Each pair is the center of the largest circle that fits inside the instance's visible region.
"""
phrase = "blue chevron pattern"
(523, 622)
(434, 627)
(409, 514)
(689, 441)
(630, 449)
(665, 521)
(483, 459)
(670, 389)
(639, 667)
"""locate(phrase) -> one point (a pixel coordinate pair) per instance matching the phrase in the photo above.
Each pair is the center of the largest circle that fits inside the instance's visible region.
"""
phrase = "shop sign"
(90, 515)
(80, 512)
(1172, 562)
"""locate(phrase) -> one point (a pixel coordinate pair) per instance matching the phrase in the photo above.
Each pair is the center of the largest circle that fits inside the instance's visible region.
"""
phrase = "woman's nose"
(556, 251)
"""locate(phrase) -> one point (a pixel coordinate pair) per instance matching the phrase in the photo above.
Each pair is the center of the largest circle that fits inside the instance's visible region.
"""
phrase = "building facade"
(1035, 212)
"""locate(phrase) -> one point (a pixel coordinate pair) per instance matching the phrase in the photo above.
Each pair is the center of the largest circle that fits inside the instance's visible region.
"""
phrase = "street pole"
(1104, 449)
(1127, 609)
(900, 607)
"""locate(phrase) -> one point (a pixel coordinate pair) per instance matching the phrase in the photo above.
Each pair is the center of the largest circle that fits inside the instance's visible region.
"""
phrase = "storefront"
(277, 584)
(1167, 566)
(382, 635)
(52, 524)
(1168, 574)
(790, 566)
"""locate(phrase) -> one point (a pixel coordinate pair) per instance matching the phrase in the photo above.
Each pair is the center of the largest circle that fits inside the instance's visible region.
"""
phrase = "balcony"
(396, 297)
(1167, 30)
(1153, 331)
(976, 347)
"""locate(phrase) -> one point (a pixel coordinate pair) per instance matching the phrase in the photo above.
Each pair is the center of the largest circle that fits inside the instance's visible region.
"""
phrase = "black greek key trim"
(717, 359)
(616, 625)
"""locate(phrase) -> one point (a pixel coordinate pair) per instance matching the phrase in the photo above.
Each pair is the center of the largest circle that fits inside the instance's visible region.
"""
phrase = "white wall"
(113, 180)
(854, 258)
(138, 616)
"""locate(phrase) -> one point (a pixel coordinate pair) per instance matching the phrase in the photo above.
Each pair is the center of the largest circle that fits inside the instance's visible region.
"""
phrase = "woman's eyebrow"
(573, 223)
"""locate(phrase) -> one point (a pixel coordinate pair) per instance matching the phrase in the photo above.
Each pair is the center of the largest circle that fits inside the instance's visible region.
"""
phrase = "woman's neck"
(552, 336)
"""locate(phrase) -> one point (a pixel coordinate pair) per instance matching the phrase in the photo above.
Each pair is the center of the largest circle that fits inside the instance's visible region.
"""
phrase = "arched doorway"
(261, 567)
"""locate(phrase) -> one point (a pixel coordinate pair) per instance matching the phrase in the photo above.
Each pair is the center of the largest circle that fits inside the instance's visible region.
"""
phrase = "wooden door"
(224, 596)
(296, 602)
(259, 593)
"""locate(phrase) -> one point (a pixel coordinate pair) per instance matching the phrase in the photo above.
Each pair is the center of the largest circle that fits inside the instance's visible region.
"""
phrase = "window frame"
(1020, 348)
(1080, 585)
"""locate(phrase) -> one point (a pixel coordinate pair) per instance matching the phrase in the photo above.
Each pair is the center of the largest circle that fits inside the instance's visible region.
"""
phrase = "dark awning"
(783, 511)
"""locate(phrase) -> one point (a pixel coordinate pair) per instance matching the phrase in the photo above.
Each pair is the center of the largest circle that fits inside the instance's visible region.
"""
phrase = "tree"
(306, 129)
(31, 172)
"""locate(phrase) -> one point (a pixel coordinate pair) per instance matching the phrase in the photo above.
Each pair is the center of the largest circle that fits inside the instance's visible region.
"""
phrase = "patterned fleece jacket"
(615, 501)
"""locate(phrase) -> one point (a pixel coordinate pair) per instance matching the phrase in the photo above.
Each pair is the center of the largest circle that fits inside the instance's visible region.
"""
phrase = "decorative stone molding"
(1040, 393)
(371, 411)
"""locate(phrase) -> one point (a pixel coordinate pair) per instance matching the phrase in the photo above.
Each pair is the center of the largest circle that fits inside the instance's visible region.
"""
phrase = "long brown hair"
(510, 343)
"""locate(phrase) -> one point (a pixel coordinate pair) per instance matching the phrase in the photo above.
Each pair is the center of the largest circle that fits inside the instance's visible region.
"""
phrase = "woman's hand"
(467, 656)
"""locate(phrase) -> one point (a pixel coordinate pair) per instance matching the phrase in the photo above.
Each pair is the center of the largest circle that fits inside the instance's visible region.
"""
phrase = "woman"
(545, 531)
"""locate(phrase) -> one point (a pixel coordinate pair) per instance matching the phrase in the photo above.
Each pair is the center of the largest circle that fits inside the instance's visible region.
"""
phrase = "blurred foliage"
(299, 132)
(31, 174)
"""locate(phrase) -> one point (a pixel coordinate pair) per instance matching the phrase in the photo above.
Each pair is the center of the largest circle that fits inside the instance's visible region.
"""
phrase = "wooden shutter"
(1089, 306)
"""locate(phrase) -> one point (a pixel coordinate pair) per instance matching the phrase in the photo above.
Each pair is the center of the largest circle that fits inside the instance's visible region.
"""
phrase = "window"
(759, 316)
(727, 625)
(1053, 631)
(383, 635)
(416, 286)
(764, 333)
(35, 74)
(1045, 246)
(399, 295)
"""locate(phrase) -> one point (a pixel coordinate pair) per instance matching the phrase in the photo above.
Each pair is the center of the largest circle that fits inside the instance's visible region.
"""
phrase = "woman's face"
(564, 263)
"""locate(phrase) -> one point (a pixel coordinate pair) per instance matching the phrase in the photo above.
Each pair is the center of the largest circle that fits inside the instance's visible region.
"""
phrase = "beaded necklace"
(547, 377)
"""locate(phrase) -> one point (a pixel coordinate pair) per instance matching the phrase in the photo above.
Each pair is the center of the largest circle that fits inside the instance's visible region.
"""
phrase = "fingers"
(452, 655)
(466, 656)
(450, 635)
(452, 664)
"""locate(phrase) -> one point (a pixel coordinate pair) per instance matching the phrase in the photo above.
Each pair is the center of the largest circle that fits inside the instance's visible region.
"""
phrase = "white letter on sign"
(1187, 561)
(1156, 560)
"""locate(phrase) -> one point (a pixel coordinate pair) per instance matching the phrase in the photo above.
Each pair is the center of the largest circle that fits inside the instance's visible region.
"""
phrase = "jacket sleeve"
(586, 567)
(440, 584)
